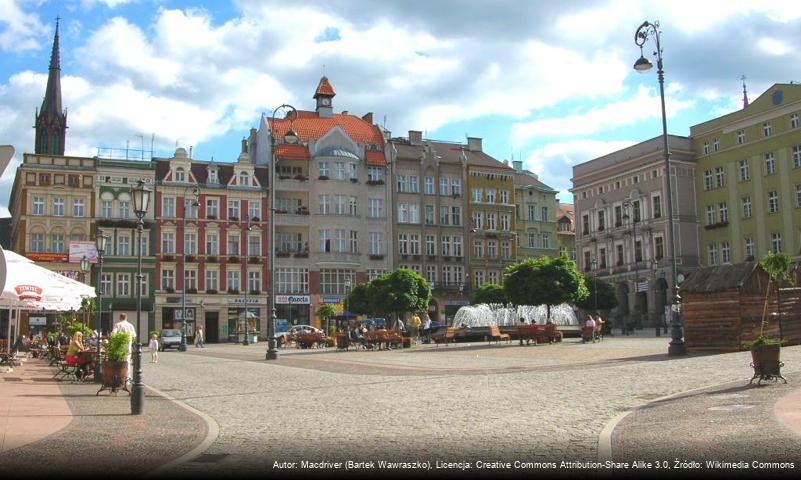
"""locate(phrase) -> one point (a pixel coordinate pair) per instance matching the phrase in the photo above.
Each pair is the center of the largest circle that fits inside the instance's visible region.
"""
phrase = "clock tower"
(324, 95)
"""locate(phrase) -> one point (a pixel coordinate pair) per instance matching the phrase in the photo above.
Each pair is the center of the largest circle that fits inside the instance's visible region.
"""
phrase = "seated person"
(72, 357)
(590, 322)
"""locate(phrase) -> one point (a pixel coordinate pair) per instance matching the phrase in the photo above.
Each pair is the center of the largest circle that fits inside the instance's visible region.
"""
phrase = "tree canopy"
(396, 292)
(544, 281)
(601, 295)
(360, 300)
(490, 293)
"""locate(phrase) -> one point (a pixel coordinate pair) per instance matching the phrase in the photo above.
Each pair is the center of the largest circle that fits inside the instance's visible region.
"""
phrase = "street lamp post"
(85, 267)
(655, 268)
(141, 195)
(643, 65)
(100, 241)
(289, 137)
(245, 340)
(595, 283)
(195, 204)
(626, 217)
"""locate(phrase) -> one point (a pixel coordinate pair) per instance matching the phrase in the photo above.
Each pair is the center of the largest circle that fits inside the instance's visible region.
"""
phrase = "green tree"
(325, 312)
(360, 301)
(778, 267)
(399, 292)
(490, 293)
(544, 281)
(601, 295)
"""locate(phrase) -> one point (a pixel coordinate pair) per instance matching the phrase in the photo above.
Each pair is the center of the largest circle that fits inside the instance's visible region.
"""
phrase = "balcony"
(284, 219)
(294, 182)
(304, 254)
(376, 257)
(375, 182)
(713, 226)
(343, 257)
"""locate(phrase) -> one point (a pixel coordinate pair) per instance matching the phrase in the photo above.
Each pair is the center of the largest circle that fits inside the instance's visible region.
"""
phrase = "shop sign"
(642, 286)
(243, 301)
(293, 299)
(332, 299)
(83, 248)
(29, 292)
(41, 321)
(47, 257)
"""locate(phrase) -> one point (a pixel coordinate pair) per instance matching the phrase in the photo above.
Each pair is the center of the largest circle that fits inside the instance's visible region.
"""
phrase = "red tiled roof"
(324, 88)
(376, 158)
(292, 152)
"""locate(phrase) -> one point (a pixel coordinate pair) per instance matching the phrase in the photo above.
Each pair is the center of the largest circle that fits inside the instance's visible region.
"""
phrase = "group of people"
(596, 323)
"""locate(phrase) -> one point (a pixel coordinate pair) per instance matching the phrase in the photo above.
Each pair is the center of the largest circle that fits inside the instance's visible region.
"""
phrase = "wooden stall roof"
(719, 278)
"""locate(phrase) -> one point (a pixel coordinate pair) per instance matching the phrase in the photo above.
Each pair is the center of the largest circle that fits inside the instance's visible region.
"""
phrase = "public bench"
(532, 332)
(496, 335)
(446, 337)
(310, 340)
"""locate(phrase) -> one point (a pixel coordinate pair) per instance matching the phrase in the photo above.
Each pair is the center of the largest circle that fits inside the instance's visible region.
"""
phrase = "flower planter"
(115, 375)
(766, 362)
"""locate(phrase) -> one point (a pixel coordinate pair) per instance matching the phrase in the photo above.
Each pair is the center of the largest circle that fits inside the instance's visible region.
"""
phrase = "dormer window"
(180, 175)
(213, 176)
(244, 179)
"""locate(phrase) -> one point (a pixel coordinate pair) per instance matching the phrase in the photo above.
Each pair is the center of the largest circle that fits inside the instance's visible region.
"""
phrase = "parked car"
(295, 330)
(170, 337)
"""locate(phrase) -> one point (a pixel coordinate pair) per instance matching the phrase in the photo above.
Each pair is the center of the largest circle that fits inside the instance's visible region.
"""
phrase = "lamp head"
(85, 264)
(642, 65)
(101, 242)
(141, 195)
(291, 136)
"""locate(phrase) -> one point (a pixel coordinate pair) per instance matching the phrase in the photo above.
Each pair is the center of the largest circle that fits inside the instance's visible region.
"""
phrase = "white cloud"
(644, 105)
(20, 30)
(773, 46)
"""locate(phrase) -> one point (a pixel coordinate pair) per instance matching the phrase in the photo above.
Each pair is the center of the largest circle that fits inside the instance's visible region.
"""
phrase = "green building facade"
(537, 209)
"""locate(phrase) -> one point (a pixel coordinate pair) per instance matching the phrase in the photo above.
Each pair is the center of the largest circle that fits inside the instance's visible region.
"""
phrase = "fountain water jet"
(483, 315)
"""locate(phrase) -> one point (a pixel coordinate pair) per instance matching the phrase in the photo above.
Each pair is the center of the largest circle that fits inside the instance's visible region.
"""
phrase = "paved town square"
(225, 409)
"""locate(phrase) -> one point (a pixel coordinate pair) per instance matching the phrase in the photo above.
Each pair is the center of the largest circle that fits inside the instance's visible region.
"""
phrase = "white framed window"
(167, 279)
(180, 175)
(707, 179)
(58, 206)
(477, 195)
(292, 280)
(446, 245)
(233, 281)
(325, 204)
(746, 203)
(254, 281)
(431, 274)
(444, 215)
(716, 145)
(353, 171)
(430, 217)
(770, 164)
(710, 214)
(254, 209)
(749, 247)
(413, 185)
(456, 216)
(403, 213)
(212, 208)
(457, 245)
(352, 207)
(38, 206)
(719, 177)
(340, 170)
(105, 284)
(376, 207)
(325, 241)
(78, 207)
(212, 280)
(532, 240)
(125, 209)
(740, 137)
(478, 248)
(339, 204)
(443, 186)
(168, 206)
(376, 240)
(244, 179)
(325, 169)
(706, 148)
(505, 197)
(492, 249)
(793, 120)
(123, 285)
(190, 279)
(797, 156)
(105, 208)
(725, 252)
(773, 202)
(798, 196)
(403, 243)
(723, 212)
(414, 244)
(744, 173)
(491, 224)
(767, 129)
(479, 278)
(490, 195)
(428, 186)
(254, 245)
(339, 239)
(168, 242)
(212, 244)
(213, 178)
(335, 281)
(506, 250)
(375, 174)
(57, 243)
(431, 245)
(775, 242)
(233, 244)
(354, 241)
(546, 240)
(233, 209)
(401, 183)
(712, 254)
(123, 245)
(656, 203)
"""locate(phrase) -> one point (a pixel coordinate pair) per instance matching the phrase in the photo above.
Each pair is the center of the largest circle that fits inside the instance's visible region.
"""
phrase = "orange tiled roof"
(376, 158)
(324, 88)
(293, 152)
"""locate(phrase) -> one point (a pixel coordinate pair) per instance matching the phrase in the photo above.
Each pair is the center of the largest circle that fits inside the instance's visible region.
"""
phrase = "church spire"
(51, 120)
(745, 93)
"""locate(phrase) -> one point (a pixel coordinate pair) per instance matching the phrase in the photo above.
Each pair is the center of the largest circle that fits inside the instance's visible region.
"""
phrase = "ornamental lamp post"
(141, 196)
(245, 340)
(643, 65)
(595, 283)
(84, 267)
(100, 241)
(195, 203)
(291, 138)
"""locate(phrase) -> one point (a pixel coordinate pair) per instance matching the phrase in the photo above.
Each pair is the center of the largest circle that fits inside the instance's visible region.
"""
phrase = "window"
(797, 156)
(78, 208)
(773, 202)
(587, 261)
(401, 183)
(767, 129)
(744, 174)
(123, 245)
(167, 279)
(725, 252)
(638, 251)
(708, 180)
(546, 240)
(376, 207)
(706, 148)
(793, 120)
(105, 285)
(506, 250)
(798, 196)
(443, 186)
(325, 206)
(430, 215)
(57, 243)
(254, 281)
(403, 213)
(618, 215)
(254, 245)
(478, 248)
(213, 176)
(233, 280)
(58, 206)
(212, 207)
(723, 212)
(352, 208)
(456, 216)
(446, 245)
(457, 245)
(233, 244)
(431, 245)
(190, 280)
(414, 244)
(477, 195)
(190, 243)
(746, 202)
(719, 177)
(506, 222)
(375, 174)
(749, 247)
(659, 248)
(212, 280)
(770, 164)
(775, 242)
(125, 209)
(532, 212)
(339, 204)
(491, 221)
(340, 170)
(712, 254)
(444, 215)
(233, 209)
(325, 240)
(585, 224)
(490, 195)
(105, 208)
(600, 220)
(710, 214)
(657, 206)
(168, 242)
(602, 259)
(211, 244)
(325, 169)
(716, 145)
(740, 137)
(376, 243)
(354, 241)
(123, 284)
(244, 179)
(413, 186)
(38, 206)
(505, 197)
(339, 239)
(479, 275)
(544, 212)
(532, 240)
(636, 208)
(168, 206)
(403, 243)
(180, 175)
(428, 186)
(431, 274)
(333, 282)
(254, 209)
(456, 187)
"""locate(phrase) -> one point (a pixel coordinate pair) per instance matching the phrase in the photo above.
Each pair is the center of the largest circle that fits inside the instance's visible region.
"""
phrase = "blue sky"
(549, 83)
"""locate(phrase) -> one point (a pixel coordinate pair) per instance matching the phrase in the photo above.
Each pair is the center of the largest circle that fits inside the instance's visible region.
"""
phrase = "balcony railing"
(339, 257)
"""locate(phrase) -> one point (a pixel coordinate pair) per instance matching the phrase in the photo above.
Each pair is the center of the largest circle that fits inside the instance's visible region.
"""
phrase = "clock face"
(325, 101)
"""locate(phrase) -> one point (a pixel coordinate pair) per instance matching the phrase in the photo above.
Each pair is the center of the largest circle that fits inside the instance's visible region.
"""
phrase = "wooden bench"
(587, 334)
(495, 334)
(309, 340)
(552, 333)
(532, 332)
(446, 337)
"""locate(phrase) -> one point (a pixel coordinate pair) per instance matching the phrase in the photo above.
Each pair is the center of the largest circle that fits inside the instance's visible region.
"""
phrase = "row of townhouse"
(736, 185)
(351, 203)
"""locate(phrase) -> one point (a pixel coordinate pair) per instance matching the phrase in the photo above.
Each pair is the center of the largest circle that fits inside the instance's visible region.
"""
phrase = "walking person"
(427, 328)
(154, 349)
(414, 327)
(125, 326)
(199, 337)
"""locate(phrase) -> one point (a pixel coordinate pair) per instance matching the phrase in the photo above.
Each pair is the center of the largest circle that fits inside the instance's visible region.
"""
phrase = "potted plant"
(115, 365)
(766, 350)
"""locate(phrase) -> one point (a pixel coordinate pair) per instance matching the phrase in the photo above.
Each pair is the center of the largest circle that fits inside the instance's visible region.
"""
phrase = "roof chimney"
(518, 165)
(368, 117)
(474, 144)
(415, 137)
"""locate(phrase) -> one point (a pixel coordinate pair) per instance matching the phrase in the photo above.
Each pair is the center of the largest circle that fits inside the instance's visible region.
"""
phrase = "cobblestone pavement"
(459, 402)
